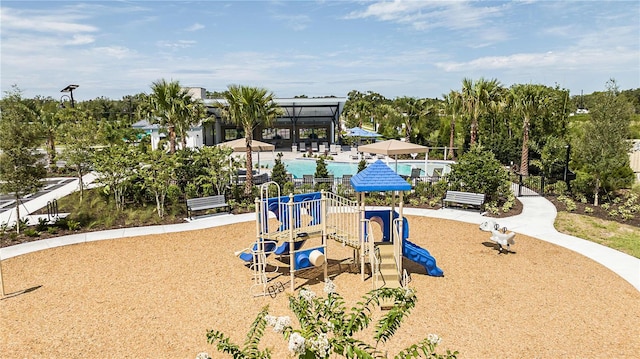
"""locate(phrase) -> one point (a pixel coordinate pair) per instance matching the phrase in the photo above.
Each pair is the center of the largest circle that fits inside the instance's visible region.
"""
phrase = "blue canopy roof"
(379, 177)
(359, 132)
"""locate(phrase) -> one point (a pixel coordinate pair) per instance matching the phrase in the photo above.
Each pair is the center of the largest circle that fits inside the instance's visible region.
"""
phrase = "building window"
(313, 133)
(276, 134)
(231, 134)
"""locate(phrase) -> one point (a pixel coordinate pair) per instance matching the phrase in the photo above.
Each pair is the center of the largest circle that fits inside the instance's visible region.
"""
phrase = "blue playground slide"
(283, 249)
(421, 256)
(410, 250)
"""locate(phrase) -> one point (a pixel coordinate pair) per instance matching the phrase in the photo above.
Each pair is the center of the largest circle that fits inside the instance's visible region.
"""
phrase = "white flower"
(270, 319)
(321, 345)
(408, 293)
(296, 344)
(434, 339)
(307, 294)
(281, 323)
(329, 286)
(203, 355)
(330, 326)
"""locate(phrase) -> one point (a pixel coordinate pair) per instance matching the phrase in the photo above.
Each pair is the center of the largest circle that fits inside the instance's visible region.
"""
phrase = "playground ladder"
(259, 265)
(386, 275)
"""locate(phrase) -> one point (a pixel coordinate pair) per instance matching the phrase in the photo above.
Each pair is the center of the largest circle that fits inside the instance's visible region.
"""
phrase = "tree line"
(524, 125)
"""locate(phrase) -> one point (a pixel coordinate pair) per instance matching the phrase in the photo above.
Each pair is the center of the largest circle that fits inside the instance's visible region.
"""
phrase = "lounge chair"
(334, 149)
(314, 146)
(354, 153)
(303, 147)
(322, 149)
(346, 180)
(261, 178)
(294, 148)
(308, 179)
(330, 180)
(415, 175)
(436, 174)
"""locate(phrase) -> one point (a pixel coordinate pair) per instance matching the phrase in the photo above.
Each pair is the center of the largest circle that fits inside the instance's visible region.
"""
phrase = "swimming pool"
(300, 167)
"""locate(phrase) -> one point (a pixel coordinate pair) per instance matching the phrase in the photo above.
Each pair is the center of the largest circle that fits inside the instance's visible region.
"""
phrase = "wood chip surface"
(156, 296)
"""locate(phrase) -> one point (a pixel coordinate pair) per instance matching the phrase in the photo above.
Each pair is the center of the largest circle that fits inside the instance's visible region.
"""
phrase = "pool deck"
(342, 156)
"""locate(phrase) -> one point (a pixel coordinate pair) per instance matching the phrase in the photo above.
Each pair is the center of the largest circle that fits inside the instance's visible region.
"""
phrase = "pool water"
(300, 167)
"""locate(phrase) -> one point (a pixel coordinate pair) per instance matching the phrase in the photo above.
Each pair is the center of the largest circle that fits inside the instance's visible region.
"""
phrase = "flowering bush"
(327, 327)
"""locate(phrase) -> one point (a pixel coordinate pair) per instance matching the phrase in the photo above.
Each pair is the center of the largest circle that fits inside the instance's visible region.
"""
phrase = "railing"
(398, 228)
(406, 278)
(343, 219)
(375, 269)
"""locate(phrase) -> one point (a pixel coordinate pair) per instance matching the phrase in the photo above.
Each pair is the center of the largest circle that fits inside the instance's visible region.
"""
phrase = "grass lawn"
(622, 237)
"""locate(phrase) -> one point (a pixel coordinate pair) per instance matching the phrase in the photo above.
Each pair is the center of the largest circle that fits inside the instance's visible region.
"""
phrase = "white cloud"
(423, 15)
(32, 21)
(576, 58)
(80, 40)
(294, 22)
(195, 27)
(117, 52)
(180, 44)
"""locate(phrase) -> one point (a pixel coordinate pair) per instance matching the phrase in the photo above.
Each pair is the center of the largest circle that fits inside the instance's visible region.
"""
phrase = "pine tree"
(279, 172)
(601, 151)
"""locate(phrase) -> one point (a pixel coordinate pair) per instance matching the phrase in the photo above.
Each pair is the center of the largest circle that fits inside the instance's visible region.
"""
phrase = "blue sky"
(316, 48)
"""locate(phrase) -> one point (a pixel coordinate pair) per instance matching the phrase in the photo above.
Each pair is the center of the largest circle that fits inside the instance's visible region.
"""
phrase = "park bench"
(464, 198)
(202, 203)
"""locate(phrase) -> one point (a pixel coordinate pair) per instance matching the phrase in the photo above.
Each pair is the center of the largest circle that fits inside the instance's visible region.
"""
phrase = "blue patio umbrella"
(359, 132)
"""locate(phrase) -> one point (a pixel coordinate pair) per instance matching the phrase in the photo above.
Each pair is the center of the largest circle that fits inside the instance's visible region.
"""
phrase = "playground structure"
(386, 255)
(305, 222)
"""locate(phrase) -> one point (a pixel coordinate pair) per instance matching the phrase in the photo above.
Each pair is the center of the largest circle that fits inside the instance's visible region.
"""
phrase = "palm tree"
(476, 97)
(529, 100)
(195, 111)
(411, 110)
(249, 107)
(170, 107)
(453, 107)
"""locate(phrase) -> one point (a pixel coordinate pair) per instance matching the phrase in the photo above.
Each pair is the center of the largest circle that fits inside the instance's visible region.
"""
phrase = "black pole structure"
(70, 89)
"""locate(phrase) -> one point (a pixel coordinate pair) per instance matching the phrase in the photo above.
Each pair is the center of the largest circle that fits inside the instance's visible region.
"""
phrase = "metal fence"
(529, 185)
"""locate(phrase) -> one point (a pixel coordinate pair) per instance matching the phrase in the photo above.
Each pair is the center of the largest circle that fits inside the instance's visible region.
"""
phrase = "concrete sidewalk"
(35, 204)
(536, 220)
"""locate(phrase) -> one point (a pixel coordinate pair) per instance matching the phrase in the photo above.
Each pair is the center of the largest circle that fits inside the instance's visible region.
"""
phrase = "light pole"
(70, 89)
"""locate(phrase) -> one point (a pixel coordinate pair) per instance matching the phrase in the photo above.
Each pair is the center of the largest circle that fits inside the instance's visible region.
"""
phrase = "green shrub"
(73, 225)
(479, 171)
(327, 327)
(42, 225)
(31, 232)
